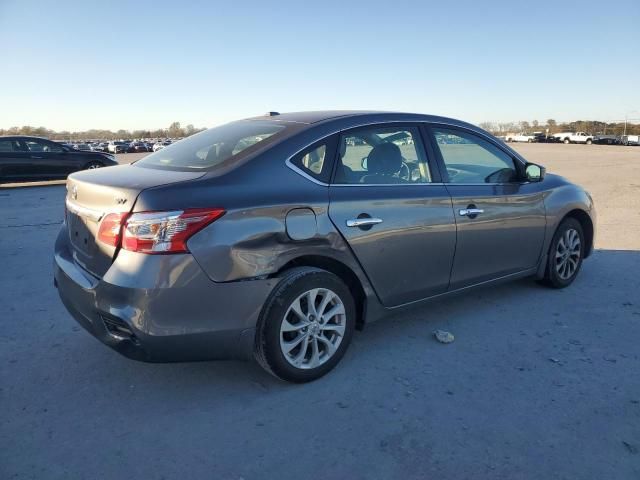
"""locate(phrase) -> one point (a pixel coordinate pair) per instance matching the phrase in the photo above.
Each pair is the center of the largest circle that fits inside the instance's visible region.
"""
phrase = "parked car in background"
(161, 145)
(606, 139)
(520, 137)
(137, 147)
(83, 147)
(630, 140)
(571, 137)
(118, 147)
(276, 236)
(31, 158)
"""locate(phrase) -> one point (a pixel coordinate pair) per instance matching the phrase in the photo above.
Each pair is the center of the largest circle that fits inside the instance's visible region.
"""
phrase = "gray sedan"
(276, 237)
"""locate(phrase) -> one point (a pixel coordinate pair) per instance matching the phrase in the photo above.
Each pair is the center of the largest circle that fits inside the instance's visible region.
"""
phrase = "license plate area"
(80, 234)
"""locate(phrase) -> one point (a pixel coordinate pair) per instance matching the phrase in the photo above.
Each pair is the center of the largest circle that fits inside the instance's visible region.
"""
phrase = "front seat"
(383, 164)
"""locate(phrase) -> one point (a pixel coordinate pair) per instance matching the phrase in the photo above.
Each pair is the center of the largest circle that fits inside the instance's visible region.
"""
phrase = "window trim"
(517, 163)
(428, 140)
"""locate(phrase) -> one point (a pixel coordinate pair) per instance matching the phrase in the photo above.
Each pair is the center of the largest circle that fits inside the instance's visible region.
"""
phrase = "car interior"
(381, 157)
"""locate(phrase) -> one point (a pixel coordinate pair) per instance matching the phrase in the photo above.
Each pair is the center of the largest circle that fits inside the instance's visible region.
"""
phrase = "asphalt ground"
(539, 383)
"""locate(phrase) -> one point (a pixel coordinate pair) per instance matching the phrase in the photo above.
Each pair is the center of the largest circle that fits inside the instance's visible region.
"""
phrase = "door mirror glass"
(534, 173)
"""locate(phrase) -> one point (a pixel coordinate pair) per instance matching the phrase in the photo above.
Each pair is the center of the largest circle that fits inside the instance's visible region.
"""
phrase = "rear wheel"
(566, 141)
(565, 254)
(306, 325)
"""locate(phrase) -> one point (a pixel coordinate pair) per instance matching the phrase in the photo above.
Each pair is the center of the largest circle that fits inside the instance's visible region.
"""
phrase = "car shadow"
(509, 308)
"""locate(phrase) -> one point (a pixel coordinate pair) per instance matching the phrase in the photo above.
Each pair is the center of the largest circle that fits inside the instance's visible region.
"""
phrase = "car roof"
(23, 137)
(315, 117)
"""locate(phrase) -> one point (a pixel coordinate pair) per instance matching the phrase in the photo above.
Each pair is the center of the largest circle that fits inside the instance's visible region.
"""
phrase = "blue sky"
(143, 64)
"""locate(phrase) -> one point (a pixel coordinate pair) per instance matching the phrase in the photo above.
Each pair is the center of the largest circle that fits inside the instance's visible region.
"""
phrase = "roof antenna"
(272, 114)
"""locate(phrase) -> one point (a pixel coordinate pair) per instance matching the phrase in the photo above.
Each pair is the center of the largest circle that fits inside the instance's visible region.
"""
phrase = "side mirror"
(363, 163)
(534, 173)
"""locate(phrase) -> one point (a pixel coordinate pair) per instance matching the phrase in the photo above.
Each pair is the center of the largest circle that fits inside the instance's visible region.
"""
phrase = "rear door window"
(382, 156)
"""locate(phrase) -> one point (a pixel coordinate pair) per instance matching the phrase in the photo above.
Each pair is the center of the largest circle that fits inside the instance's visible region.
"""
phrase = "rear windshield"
(214, 146)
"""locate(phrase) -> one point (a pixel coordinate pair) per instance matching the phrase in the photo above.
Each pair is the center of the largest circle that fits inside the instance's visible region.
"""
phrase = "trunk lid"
(92, 194)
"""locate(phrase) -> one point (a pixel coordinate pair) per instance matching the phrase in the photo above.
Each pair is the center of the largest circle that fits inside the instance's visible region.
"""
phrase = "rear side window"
(316, 161)
(216, 146)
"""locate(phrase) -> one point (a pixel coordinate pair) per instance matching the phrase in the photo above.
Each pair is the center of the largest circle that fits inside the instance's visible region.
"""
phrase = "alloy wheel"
(568, 254)
(312, 328)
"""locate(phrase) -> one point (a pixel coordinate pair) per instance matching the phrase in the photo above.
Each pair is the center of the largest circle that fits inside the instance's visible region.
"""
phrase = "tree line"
(175, 130)
(589, 126)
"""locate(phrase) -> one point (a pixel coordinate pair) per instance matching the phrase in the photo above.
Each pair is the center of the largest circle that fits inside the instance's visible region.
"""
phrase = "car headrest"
(343, 147)
(385, 159)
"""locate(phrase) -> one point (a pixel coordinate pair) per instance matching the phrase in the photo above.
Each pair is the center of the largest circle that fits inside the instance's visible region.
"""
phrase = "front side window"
(471, 159)
(39, 146)
(215, 146)
(382, 155)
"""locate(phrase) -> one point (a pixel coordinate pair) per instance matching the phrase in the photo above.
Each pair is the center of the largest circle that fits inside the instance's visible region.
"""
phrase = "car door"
(387, 201)
(14, 159)
(500, 217)
(49, 159)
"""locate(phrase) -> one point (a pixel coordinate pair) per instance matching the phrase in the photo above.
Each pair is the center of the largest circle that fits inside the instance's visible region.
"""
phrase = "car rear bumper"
(161, 308)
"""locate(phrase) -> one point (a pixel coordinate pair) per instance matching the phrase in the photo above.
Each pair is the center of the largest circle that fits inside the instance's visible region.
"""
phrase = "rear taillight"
(165, 232)
(110, 228)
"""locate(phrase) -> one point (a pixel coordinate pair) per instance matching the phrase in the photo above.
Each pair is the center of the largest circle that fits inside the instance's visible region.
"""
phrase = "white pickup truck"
(519, 137)
(573, 137)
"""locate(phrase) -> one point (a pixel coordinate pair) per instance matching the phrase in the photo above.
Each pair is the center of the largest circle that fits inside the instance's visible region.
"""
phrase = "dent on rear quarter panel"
(254, 242)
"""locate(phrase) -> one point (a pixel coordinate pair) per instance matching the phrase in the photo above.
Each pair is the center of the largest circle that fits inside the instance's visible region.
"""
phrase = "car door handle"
(34, 156)
(363, 222)
(470, 212)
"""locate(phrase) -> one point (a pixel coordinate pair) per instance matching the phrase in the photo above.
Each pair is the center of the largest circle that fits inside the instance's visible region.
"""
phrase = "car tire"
(589, 142)
(566, 141)
(565, 256)
(291, 343)
(529, 140)
(93, 165)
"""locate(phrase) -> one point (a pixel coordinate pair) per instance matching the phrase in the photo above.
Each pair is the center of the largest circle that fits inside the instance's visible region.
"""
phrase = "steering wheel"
(404, 172)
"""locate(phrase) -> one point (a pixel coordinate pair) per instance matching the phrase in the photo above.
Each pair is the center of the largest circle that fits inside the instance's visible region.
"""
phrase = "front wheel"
(565, 254)
(589, 142)
(93, 165)
(306, 325)
(566, 141)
